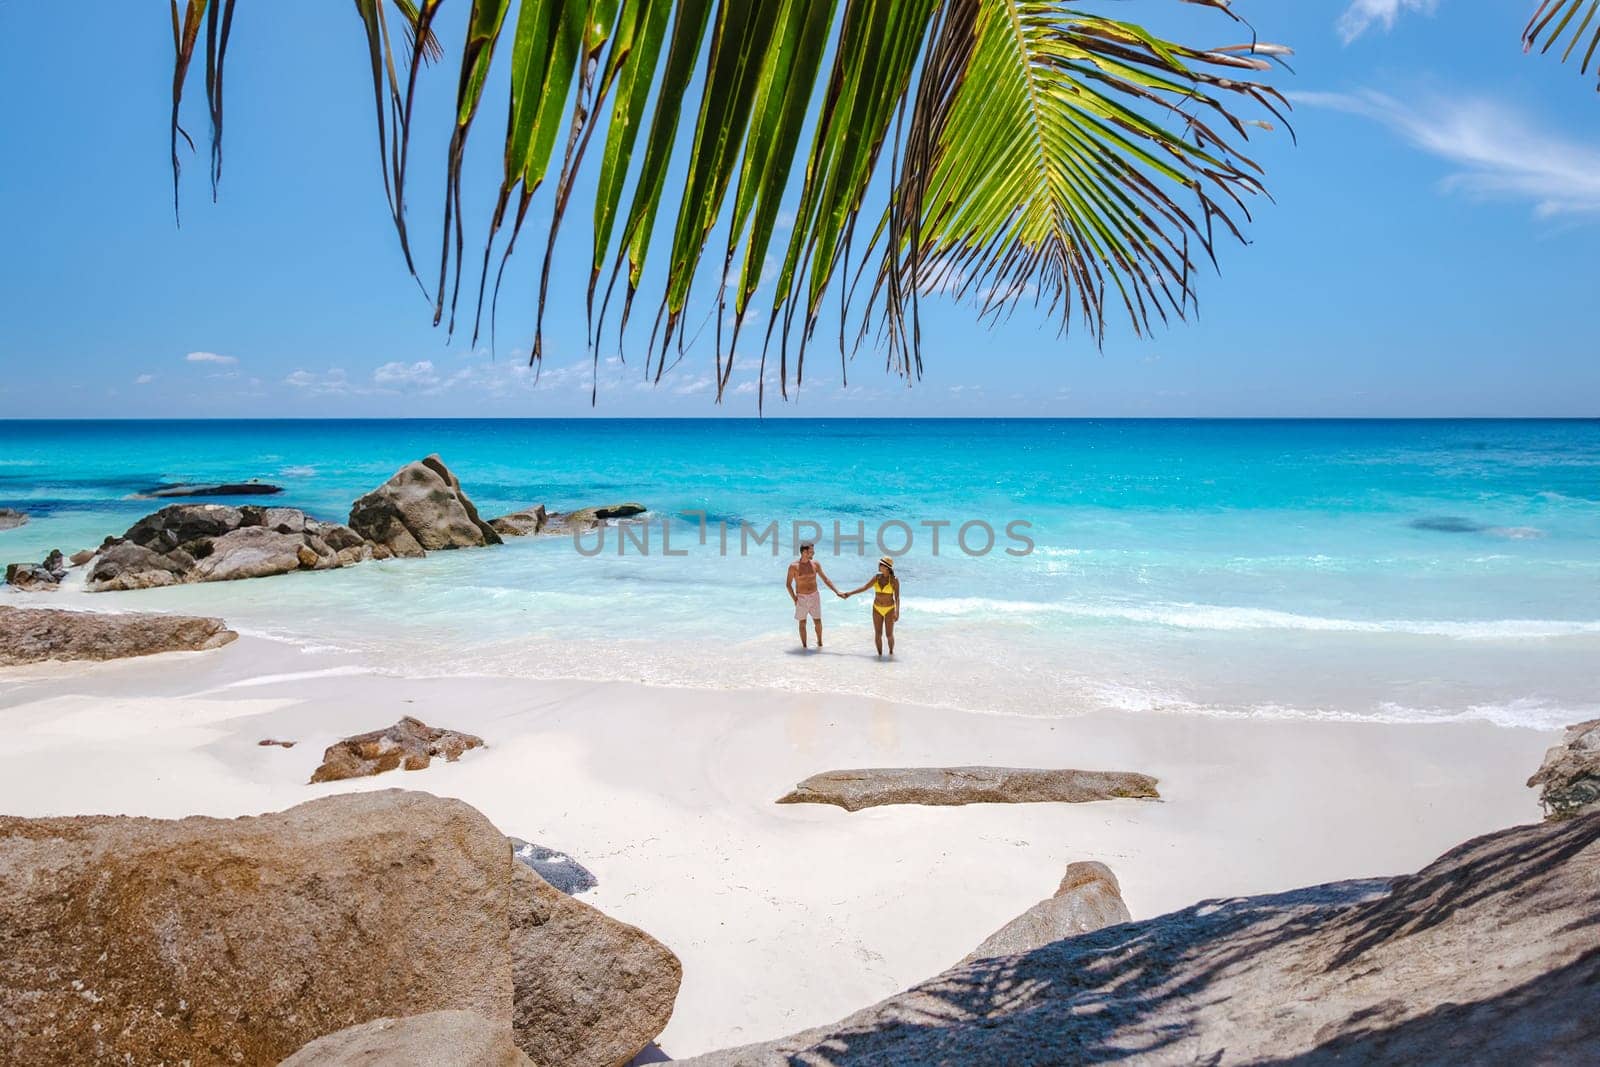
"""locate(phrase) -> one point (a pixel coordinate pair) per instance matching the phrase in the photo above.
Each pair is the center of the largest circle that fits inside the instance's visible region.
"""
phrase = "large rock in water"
(410, 743)
(183, 489)
(1570, 774)
(857, 789)
(11, 518)
(220, 941)
(589, 991)
(215, 543)
(437, 1039)
(1490, 955)
(30, 635)
(1088, 899)
(420, 509)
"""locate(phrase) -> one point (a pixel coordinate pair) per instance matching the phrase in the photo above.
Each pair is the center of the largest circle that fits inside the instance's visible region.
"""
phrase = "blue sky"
(1428, 250)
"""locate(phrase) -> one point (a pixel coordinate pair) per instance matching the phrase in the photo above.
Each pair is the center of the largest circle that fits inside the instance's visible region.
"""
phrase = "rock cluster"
(37, 576)
(31, 635)
(1569, 779)
(410, 743)
(1486, 956)
(216, 941)
(216, 542)
(853, 790)
(419, 510)
(11, 518)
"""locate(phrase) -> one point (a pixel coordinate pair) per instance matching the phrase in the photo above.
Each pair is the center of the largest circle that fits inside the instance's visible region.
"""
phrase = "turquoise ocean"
(1369, 570)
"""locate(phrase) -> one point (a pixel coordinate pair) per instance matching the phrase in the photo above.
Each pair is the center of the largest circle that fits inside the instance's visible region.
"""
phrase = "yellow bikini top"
(881, 585)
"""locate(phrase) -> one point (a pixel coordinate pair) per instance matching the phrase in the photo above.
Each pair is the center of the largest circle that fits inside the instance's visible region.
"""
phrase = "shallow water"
(1404, 571)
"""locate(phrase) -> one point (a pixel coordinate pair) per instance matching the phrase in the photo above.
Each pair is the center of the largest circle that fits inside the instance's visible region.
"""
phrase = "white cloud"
(418, 376)
(1360, 16)
(333, 382)
(209, 357)
(1502, 154)
(144, 379)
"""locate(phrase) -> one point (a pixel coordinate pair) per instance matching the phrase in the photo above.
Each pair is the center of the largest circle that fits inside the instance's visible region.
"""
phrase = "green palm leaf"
(1558, 20)
(1003, 150)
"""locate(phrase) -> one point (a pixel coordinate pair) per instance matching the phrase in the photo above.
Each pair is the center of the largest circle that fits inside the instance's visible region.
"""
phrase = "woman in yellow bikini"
(885, 603)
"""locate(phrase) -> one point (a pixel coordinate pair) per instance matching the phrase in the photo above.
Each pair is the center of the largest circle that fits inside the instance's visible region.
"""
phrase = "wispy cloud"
(1362, 15)
(209, 357)
(1502, 153)
(144, 379)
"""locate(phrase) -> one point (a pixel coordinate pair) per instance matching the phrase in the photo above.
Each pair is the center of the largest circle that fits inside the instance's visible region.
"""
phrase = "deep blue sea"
(1390, 570)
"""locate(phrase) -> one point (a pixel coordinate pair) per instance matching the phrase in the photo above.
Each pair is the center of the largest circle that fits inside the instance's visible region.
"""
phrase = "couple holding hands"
(802, 585)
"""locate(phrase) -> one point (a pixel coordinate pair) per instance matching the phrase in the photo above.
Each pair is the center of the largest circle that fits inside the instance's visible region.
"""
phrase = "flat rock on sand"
(410, 743)
(216, 941)
(436, 1039)
(853, 790)
(1487, 956)
(31, 635)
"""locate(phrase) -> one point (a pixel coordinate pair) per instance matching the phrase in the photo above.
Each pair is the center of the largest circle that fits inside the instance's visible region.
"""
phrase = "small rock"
(183, 489)
(280, 744)
(589, 518)
(78, 559)
(435, 1039)
(409, 742)
(1570, 774)
(557, 868)
(1087, 899)
(125, 565)
(856, 789)
(11, 518)
(520, 523)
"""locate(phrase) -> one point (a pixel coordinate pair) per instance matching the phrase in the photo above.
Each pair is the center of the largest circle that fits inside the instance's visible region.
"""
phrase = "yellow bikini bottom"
(883, 609)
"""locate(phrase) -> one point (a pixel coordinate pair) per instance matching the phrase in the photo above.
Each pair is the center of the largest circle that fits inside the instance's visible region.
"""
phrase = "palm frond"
(1003, 151)
(1554, 22)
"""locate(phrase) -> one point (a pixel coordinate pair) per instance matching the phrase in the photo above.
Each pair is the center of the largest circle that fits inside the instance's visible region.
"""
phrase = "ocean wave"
(1185, 616)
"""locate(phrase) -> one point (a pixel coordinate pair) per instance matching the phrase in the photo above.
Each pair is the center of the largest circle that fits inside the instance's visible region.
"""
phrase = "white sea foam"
(1188, 616)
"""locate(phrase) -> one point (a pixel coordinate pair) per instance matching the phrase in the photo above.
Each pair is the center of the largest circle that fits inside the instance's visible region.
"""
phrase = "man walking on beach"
(802, 586)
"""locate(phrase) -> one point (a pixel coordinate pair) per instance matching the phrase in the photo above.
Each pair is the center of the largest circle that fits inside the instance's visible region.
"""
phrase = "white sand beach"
(784, 916)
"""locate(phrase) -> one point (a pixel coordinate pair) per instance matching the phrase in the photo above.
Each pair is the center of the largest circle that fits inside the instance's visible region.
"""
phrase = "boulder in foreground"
(216, 941)
(587, 989)
(1570, 774)
(11, 518)
(1489, 955)
(853, 790)
(436, 1039)
(31, 635)
(410, 743)
(1087, 899)
(420, 509)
